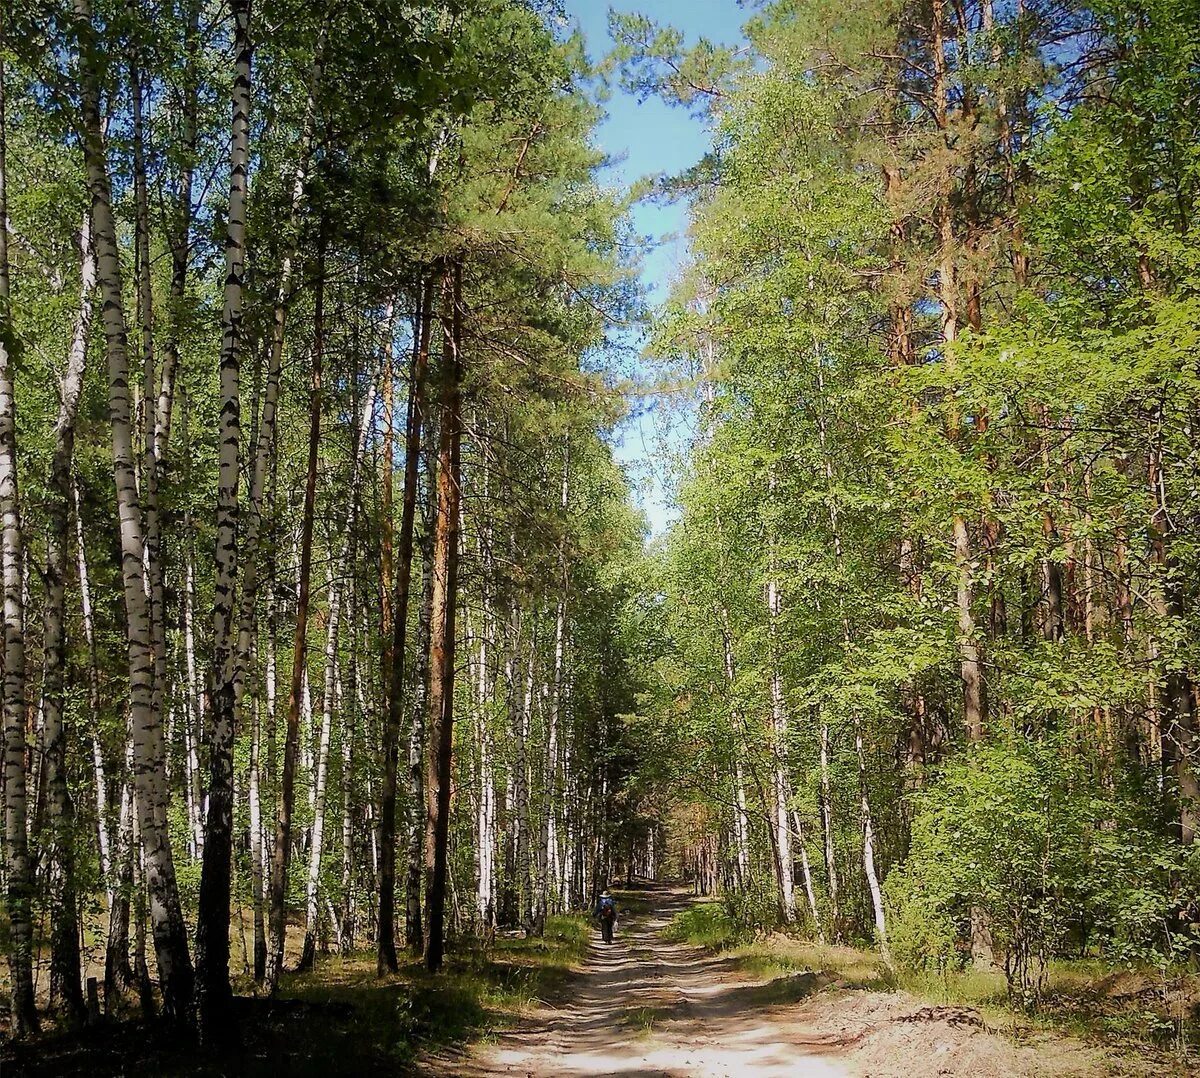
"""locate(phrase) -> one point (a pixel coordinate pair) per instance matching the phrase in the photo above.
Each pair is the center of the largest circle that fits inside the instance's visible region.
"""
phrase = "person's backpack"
(608, 908)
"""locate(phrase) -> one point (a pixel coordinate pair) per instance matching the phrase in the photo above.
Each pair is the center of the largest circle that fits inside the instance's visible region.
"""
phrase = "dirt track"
(646, 1008)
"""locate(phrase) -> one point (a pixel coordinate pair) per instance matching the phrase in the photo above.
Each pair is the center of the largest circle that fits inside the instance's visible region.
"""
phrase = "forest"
(927, 644)
(335, 635)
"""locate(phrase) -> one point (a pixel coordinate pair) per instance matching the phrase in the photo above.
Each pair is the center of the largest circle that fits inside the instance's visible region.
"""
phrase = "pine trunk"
(386, 926)
(441, 650)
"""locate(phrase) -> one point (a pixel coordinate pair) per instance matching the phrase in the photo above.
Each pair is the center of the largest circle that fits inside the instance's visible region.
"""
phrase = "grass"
(1127, 1012)
(641, 1020)
(340, 1018)
(706, 924)
(479, 991)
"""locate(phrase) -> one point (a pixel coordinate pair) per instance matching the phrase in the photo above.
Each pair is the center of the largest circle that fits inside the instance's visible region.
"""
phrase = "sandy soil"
(644, 1007)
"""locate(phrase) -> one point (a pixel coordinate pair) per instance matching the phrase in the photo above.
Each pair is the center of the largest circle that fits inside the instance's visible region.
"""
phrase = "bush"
(1019, 839)
(755, 910)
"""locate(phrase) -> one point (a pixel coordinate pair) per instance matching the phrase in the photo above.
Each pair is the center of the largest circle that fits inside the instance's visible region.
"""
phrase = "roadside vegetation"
(1141, 1017)
(341, 1018)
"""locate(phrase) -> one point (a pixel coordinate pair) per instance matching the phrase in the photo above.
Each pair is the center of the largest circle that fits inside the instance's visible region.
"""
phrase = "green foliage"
(1017, 841)
(706, 924)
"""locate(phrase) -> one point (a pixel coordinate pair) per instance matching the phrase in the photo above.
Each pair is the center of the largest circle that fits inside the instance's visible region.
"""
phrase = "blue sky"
(645, 139)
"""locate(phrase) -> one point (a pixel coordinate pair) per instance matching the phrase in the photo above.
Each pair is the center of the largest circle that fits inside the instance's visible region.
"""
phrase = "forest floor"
(650, 1007)
(664, 1000)
(337, 1019)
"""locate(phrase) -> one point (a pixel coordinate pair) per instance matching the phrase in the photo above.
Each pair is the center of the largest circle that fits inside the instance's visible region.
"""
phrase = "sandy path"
(643, 1007)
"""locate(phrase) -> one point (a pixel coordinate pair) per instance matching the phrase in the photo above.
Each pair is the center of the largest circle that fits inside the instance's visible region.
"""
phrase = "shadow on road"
(645, 1007)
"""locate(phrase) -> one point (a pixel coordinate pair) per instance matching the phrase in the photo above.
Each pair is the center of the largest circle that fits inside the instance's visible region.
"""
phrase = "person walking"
(606, 914)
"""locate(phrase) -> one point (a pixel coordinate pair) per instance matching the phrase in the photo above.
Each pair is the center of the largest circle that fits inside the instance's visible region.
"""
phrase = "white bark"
(521, 792)
(741, 818)
(166, 914)
(869, 847)
(779, 757)
(265, 435)
(98, 769)
(257, 859)
(65, 959)
(20, 882)
(316, 847)
(485, 823)
(809, 892)
(312, 891)
(827, 828)
(193, 719)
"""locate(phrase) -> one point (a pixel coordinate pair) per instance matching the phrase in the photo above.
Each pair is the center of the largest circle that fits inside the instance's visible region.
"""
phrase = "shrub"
(1018, 838)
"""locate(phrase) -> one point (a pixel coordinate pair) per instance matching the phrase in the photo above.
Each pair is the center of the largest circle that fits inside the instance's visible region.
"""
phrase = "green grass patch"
(706, 924)
(480, 990)
(633, 902)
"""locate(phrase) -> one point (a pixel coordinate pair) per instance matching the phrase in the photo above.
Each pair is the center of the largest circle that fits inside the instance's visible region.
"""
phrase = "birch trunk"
(212, 927)
(521, 718)
(254, 798)
(150, 467)
(345, 919)
(66, 992)
(283, 818)
(316, 847)
(831, 872)
(414, 931)
(806, 872)
(441, 651)
(193, 721)
(779, 757)
(118, 975)
(869, 845)
(485, 818)
(20, 878)
(89, 634)
(170, 934)
(868, 829)
(741, 819)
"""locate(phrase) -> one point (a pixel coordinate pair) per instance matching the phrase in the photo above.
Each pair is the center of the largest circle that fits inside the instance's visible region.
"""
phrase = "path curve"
(647, 1008)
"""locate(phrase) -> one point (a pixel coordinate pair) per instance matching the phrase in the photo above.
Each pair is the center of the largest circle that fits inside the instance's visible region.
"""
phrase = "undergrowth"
(339, 1018)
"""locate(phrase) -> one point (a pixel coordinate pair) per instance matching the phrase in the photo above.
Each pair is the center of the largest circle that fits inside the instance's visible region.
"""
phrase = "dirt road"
(646, 1007)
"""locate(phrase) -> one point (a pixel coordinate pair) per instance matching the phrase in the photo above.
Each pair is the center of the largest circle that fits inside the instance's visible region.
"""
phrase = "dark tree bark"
(291, 746)
(386, 927)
